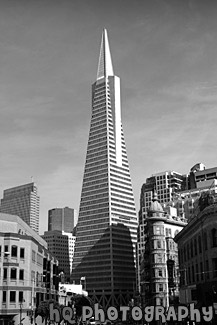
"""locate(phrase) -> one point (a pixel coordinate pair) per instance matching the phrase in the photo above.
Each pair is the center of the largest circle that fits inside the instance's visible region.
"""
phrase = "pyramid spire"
(105, 67)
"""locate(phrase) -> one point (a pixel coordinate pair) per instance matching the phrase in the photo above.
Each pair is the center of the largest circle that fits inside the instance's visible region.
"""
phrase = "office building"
(28, 271)
(159, 268)
(61, 244)
(23, 201)
(106, 236)
(200, 180)
(62, 219)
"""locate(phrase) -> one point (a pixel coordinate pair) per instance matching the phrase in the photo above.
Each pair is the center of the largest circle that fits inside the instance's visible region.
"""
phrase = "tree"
(79, 302)
(43, 309)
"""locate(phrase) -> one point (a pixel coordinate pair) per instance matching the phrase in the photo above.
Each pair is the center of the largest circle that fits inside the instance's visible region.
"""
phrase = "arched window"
(13, 251)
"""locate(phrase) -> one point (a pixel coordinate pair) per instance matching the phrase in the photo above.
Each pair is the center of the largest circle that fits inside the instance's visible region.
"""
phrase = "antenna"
(32, 180)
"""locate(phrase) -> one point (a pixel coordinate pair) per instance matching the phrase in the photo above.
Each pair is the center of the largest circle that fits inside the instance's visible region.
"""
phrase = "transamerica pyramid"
(106, 235)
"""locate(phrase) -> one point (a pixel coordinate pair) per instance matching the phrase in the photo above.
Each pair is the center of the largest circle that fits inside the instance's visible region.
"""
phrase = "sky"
(164, 51)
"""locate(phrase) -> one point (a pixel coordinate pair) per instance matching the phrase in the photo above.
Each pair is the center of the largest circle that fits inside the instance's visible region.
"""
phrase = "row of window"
(12, 296)
(196, 272)
(195, 246)
(13, 274)
(14, 251)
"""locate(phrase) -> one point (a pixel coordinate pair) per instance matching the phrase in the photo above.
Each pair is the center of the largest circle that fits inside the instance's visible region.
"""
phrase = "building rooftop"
(13, 224)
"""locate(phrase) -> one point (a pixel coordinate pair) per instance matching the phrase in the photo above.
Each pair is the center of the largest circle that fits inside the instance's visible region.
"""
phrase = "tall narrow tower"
(107, 223)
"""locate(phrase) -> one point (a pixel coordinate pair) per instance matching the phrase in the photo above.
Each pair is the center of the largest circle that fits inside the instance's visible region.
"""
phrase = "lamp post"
(21, 305)
(83, 278)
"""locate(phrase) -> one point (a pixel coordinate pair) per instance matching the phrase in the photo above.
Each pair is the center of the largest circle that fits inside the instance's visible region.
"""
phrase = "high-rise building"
(23, 201)
(165, 184)
(61, 244)
(62, 219)
(106, 234)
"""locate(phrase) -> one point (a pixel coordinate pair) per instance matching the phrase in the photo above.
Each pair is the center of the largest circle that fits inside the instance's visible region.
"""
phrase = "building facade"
(159, 268)
(28, 271)
(106, 233)
(62, 219)
(197, 244)
(165, 184)
(200, 180)
(22, 201)
(61, 244)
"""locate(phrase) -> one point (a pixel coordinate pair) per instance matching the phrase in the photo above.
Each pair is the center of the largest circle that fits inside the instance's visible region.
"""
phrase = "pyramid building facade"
(106, 234)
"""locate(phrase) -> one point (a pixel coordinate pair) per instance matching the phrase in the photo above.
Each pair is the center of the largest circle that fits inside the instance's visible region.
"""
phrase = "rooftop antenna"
(32, 179)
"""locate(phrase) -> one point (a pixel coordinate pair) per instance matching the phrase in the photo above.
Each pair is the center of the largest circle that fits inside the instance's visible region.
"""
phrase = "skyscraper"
(23, 201)
(106, 234)
(62, 219)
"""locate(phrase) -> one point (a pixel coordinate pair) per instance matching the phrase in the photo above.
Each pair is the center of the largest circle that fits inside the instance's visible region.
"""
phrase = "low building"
(67, 291)
(29, 272)
(159, 263)
(197, 244)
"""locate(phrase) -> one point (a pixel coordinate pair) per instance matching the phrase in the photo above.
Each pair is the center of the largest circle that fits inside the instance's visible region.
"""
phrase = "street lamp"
(83, 278)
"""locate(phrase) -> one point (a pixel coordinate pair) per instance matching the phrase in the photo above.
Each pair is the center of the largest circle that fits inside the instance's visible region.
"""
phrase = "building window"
(5, 273)
(189, 275)
(13, 274)
(161, 287)
(160, 272)
(6, 248)
(192, 253)
(20, 296)
(12, 296)
(14, 251)
(185, 255)
(158, 244)
(214, 262)
(193, 275)
(33, 256)
(160, 258)
(207, 269)
(205, 241)
(201, 270)
(21, 275)
(0, 251)
(197, 272)
(4, 296)
(188, 251)
(195, 246)
(214, 237)
(22, 252)
(199, 244)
